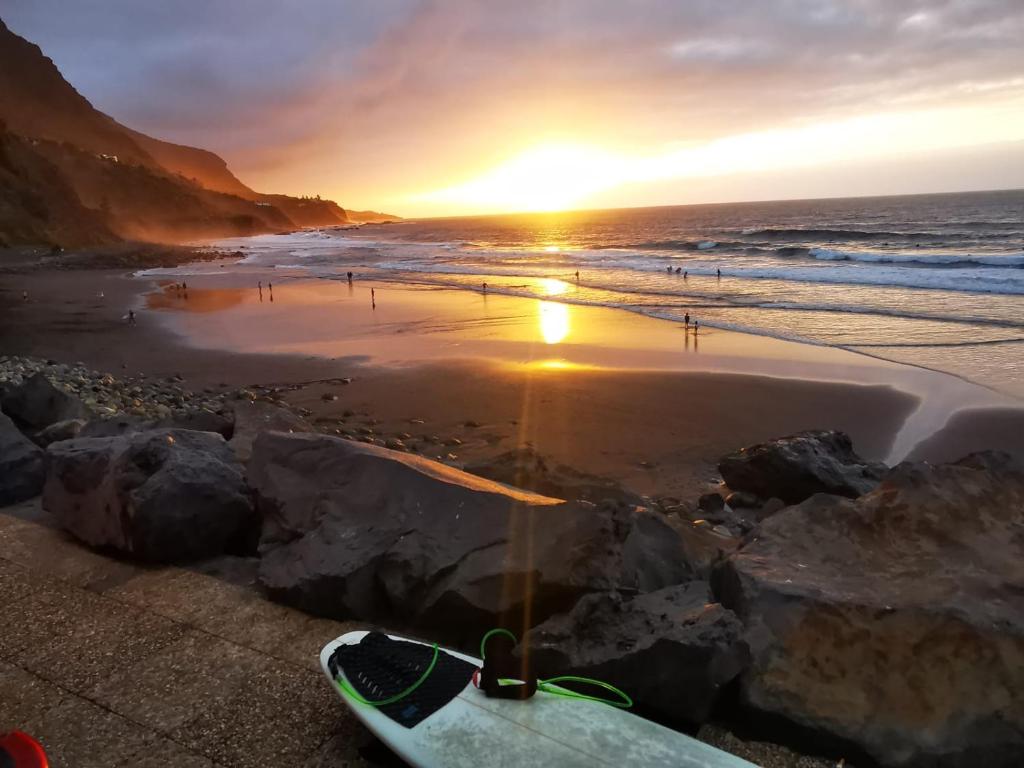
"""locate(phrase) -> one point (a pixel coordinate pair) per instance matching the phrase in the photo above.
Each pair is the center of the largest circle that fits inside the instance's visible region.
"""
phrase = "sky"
(452, 107)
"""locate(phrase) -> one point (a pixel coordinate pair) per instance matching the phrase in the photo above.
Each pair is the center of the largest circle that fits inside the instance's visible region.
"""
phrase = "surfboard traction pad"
(379, 667)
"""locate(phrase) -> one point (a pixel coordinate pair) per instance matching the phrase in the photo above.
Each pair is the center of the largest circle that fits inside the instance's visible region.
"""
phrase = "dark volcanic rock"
(201, 420)
(671, 650)
(797, 467)
(62, 430)
(525, 468)
(159, 496)
(252, 418)
(36, 404)
(356, 531)
(22, 468)
(711, 503)
(894, 621)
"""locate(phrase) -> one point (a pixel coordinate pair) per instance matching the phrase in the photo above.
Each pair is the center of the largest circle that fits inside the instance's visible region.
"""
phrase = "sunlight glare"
(554, 321)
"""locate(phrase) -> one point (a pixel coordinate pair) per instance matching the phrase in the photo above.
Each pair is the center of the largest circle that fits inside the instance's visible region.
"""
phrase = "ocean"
(930, 280)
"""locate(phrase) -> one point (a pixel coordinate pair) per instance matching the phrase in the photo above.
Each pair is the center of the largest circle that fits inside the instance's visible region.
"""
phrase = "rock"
(252, 418)
(769, 508)
(22, 469)
(160, 496)
(711, 502)
(201, 420)
(395, 444)
(525, 468)
(62, 430)
(118, 425)
(357, 531)
(328, 397)
(795, 468)
(742, 500)
(894, 621)
(36, 404)
(671, 651)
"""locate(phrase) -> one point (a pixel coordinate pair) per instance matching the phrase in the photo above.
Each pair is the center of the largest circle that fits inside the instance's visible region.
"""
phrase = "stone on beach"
(796, 467)
(37, 403)
(62, 430)
(672, 650)
(357, 531)
(158, 496)
(894, 621)
(252, 418)
(22, 469)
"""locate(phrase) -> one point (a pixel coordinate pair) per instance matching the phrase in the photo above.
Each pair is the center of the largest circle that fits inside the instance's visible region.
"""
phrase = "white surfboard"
(472, 730)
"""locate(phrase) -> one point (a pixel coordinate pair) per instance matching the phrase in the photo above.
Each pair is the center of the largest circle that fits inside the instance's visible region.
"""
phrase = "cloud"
(380, 99)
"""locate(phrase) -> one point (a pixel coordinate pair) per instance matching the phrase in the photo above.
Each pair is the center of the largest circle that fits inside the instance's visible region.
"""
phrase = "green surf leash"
(548, 685)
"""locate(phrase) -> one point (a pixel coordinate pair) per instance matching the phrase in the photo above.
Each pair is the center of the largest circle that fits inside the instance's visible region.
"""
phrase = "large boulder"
(352, 530)
(895, 621)
(37, 403)
(22, 469)
(159, 496)
(671, 650)
(525, 468)
(795, 468)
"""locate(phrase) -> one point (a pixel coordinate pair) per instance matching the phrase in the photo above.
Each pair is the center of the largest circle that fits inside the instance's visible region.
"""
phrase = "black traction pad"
(379, 667)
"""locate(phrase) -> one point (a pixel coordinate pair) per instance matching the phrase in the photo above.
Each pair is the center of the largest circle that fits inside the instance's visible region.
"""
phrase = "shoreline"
(671, 425)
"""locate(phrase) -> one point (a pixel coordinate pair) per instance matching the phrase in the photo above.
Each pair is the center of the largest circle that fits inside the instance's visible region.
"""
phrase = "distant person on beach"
(350, 277)
(577, 275)
(696, 327)
(669, 269)
(485, 287)
(131, 317)
(687, 319)
(373, 298)
(686, 275)
(184, 286)
(719, 274)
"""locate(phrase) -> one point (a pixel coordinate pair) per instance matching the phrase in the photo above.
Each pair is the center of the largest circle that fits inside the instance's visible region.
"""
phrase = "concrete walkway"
(111, 664)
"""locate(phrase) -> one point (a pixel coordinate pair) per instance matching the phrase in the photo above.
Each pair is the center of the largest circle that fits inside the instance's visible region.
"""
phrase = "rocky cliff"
(73, 176)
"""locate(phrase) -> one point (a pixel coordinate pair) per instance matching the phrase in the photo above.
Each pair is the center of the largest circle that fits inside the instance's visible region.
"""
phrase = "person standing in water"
(577, 275)
(719, 274)
(485, 287)
(131, 317)
(696, 327)
(350, 277)
(686, 275)
(686, 320)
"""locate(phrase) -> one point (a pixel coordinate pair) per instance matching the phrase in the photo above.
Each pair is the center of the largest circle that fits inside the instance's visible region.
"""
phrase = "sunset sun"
(546, 177)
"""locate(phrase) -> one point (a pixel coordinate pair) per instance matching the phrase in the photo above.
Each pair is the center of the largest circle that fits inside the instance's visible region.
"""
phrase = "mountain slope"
(127, 184)
(37, 205)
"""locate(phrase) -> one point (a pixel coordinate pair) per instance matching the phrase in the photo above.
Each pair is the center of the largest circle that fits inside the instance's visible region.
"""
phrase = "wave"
(1012, 260)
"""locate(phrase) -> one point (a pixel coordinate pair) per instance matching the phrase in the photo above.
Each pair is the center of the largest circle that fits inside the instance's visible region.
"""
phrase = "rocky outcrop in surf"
(895, 621)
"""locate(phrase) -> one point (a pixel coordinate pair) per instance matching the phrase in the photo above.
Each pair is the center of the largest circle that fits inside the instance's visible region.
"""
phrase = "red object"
(20, 750)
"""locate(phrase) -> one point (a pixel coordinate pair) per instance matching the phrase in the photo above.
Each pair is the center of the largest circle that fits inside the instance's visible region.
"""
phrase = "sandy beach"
(465, 376)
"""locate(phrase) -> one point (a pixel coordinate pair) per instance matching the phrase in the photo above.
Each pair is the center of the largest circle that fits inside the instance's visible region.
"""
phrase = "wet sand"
(605, 391)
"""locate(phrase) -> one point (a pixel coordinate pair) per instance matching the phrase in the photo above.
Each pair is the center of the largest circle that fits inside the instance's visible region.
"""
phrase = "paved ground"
(111, 664)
